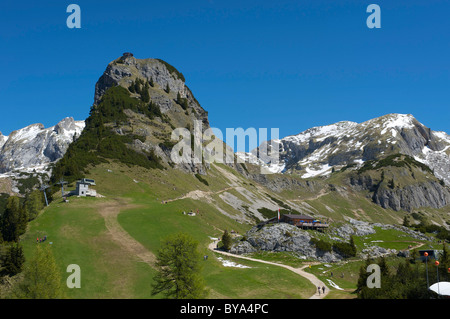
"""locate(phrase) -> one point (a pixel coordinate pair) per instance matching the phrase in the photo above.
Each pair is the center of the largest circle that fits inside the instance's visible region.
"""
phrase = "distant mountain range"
(321, 150)
(394, 160)
(35, 147)
(315, 152)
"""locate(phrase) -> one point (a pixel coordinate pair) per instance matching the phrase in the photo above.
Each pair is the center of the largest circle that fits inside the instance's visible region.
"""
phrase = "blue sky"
(286, 64)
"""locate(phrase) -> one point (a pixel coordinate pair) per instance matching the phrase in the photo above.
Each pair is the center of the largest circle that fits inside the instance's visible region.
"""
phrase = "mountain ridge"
(126, 143)
(35, 146)
(320, 150)
(139, 102)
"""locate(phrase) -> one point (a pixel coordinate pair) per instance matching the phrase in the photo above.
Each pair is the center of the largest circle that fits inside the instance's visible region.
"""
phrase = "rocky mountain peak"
(68, 126)
(25, 133)
(396, 120)
(127, 68)
(155, 85)
(36, 145)
(166, 87)
(320, 150)
(138, 104)
(3, 140)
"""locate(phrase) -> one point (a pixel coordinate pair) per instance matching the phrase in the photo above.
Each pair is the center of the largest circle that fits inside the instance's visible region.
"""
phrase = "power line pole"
(426, 262)
(43, 188)
(62, 182)
(437, 275)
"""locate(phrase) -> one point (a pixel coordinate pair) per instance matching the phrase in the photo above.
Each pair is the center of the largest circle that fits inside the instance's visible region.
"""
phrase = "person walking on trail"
(323, 289)
(318, 289)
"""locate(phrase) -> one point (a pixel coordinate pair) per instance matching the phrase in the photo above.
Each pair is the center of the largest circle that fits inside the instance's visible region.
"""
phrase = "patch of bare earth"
(109, 211)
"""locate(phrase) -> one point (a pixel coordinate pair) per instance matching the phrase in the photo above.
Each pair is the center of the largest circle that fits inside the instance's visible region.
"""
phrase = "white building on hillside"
(83, 188)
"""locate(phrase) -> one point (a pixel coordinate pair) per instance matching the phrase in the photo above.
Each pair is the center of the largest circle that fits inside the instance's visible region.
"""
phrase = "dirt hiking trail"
(313, 279)
(109, 211)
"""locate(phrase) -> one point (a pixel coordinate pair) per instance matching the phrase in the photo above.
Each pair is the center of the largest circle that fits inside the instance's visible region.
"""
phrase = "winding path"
(313, 279)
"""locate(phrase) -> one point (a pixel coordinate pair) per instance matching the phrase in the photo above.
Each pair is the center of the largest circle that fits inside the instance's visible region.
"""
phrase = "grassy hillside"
(337, 199)
(125, 147)
(92, 232)
(114, 239)
(78, 235)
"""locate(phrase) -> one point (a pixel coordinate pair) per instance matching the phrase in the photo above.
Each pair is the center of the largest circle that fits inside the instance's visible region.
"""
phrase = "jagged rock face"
(401, 188)
(316, 151)
(168, 85)
(361, 228)
(125, 69)
(319, 151)
(430, 194)
(3, 140)
(280, 183)
(36, 146)
(283, 237)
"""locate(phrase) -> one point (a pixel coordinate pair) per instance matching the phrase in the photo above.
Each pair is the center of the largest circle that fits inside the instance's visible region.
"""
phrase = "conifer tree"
(137, 86)
(42, 279)
(131, 88)
(444, 261)
(34, 203)
(13, 260)
(406, 222)
(178, 267)
(183, 102)
(14, 220)
(145, 96)
(352, 247)
(226, 240)
(361, 286)
(384, 269)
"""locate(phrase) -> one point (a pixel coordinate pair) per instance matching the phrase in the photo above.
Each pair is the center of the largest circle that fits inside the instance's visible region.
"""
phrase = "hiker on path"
(318, 289)
(323, 289)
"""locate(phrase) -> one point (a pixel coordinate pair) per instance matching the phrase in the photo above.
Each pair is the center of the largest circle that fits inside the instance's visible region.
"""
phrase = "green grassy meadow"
(151, 204)
(78, 235)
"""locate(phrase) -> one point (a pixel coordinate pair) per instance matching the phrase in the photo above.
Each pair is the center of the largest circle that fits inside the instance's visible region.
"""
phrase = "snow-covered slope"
(35, 146)
(3, 140)
(438, 160)
(316, 151)
(268, 165)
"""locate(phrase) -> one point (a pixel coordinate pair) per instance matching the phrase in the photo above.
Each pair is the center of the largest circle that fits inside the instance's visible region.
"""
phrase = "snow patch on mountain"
(398, 121)
(322, 132)
(323, 170)
(268, 167)
(26, 134)
(3, 140)
(316, 151)
(34, 147)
